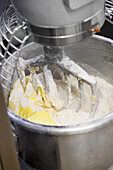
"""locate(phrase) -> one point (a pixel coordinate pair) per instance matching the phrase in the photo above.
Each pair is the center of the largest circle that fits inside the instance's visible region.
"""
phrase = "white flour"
(105, 105)
(69, 115)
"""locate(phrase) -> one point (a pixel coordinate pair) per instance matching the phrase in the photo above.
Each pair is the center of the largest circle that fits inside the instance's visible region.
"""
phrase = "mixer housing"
(61, 22)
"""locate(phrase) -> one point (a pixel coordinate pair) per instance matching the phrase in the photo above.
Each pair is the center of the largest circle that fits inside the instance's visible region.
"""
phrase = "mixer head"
(61, 22)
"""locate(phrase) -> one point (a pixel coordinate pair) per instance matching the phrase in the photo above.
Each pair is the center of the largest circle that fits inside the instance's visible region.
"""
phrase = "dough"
(48, 101)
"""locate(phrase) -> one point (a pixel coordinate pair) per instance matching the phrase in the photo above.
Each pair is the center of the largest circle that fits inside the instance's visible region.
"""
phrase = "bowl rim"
(62, 129)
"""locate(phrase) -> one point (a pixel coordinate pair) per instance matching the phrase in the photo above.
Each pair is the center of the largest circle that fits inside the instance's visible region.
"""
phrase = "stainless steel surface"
(88, 146)
(8, 156)
(55, 23)
(66, 35)
(58, 13)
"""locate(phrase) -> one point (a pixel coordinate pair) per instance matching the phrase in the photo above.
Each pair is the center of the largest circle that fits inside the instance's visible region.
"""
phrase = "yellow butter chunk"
(25, 112)
(33, 97)
(42, 117)
(31, 94)
(28, 100)
(13, 107)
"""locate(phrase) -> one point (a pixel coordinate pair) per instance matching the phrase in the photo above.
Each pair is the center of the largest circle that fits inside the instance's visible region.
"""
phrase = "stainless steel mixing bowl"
(79, 147)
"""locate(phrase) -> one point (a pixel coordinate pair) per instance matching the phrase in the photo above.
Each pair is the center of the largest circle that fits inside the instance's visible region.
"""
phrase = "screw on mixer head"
(94, 29)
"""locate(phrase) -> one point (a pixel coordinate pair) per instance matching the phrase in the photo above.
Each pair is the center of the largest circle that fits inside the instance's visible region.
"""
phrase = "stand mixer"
(53, 24)
(65, 23)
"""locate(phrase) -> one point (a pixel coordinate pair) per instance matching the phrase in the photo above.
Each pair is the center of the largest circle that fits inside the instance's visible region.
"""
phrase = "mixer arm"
(71, 67)
(74, 69)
